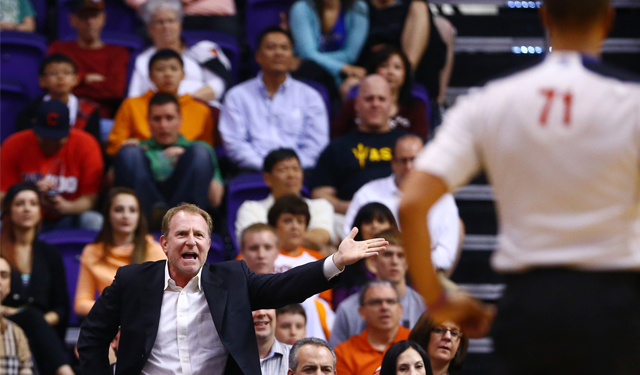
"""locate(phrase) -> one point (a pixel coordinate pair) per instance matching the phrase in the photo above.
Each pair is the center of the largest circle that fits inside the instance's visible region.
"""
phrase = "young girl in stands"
(39, 302)
(124, 240)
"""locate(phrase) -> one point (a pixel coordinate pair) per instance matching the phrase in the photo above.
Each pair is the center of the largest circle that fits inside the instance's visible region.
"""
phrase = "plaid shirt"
(15, 357)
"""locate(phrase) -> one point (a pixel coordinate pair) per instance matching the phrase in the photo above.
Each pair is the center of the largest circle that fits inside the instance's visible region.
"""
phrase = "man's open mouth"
(190, 256)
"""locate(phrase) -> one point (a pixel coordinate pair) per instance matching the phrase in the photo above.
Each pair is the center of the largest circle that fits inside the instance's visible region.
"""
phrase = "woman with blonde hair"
(124, 239)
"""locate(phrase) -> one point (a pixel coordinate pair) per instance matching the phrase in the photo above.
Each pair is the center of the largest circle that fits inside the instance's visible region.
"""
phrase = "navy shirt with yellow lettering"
(353, 160)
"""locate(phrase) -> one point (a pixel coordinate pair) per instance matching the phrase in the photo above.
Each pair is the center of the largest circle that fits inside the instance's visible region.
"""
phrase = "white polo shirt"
(560, 143)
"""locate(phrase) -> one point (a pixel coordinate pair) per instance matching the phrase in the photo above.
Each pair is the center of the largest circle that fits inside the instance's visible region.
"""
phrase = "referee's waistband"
(543, 272)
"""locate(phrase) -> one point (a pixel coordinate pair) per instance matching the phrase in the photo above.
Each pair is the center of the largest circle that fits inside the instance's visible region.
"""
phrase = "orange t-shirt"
(131, 121)
(357, 357)
(76, 168)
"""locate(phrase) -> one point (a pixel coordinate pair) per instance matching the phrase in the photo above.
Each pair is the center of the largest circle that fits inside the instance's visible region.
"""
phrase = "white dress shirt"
(443, 219)
(187, 341)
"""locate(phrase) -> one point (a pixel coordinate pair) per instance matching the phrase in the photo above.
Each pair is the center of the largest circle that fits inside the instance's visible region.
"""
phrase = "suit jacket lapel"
(151, 305)
(216, 297)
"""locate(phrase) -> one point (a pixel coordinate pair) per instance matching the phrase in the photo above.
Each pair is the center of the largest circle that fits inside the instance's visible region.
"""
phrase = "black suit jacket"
(232, 291)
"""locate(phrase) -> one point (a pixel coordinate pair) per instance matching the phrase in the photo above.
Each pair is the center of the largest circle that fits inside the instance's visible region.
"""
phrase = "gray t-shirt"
(349, 323)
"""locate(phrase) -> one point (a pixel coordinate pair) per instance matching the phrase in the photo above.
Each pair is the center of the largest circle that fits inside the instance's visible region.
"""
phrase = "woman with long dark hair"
(38, 302)
(407, 112)
(124, 240)
(405, 358)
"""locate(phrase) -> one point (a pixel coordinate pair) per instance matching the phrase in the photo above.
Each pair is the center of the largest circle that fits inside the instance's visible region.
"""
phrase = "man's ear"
(163, 244)
(267, 179)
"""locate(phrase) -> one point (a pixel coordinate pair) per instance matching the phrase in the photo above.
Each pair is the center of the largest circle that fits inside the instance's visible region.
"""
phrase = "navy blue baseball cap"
(52, 120)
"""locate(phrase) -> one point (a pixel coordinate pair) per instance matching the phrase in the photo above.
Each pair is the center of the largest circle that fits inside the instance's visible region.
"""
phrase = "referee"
(560, 143)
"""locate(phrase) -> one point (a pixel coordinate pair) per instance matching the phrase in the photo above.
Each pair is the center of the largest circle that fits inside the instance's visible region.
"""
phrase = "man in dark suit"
(185, 316)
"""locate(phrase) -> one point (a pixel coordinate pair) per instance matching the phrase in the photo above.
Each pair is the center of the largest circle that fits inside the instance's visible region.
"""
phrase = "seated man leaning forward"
(182, 315)
(283, 175)
(167, 169)
(273, 110)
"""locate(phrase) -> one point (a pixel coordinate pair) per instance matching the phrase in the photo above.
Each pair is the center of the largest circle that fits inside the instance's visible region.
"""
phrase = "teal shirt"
(15, 11)
(162, 167)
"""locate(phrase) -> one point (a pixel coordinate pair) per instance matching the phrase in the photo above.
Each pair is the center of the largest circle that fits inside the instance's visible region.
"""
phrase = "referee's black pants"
(560, 321)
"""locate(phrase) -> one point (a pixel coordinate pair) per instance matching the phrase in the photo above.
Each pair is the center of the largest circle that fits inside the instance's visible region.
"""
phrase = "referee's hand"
(473, 316)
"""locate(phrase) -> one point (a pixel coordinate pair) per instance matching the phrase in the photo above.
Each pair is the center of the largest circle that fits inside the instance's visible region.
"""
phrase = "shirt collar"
(167, 277)
(283, 86)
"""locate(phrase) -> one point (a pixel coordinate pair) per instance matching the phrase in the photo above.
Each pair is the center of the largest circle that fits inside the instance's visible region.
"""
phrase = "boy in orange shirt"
(166, 71)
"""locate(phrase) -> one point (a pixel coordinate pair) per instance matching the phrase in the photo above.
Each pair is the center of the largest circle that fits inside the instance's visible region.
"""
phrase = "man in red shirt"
(66, 165)
(102, 67)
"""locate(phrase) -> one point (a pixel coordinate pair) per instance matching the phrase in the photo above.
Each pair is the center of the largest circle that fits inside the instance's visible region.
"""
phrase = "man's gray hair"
(148, 9)
(293, 354)
(375, 283)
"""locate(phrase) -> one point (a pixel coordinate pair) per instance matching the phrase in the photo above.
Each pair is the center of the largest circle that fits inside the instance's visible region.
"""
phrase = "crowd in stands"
(330, 123)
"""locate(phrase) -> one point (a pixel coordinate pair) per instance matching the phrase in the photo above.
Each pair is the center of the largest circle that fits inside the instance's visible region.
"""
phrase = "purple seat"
(69, 243)
(21, 55)
(120, 19)
(322, 90)
(12, 100)
(261, 14)
(40, 6)
(228, 43)
(242, 188)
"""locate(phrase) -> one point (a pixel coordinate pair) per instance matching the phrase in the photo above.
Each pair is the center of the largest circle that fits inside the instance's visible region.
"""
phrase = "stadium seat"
(261, 14)
(40, 6)
(12, 100)
(21, 55)
(228, 43)
(120, 19)
(69, 243)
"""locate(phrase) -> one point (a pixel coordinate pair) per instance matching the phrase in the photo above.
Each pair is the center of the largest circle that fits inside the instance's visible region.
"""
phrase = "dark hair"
(106, 234)
(56, 58)
(421, 334)
(165, 54)
(576, 13)
(374, 283)
(370, 212)
(381, 56)
(294, 308)
(288, 204)
(276, 156)
(161, 98)
(273, 29)
(7, 236)
(390, 359)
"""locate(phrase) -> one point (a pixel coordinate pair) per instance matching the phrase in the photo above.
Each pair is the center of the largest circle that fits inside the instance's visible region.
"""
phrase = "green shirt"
(15, 11)
(162, 167)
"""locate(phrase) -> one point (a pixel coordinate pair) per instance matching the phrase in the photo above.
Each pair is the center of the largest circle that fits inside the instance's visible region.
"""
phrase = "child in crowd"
(17, 15)
(15, 357)
(291, 321)
(166, 70)
(58, 76)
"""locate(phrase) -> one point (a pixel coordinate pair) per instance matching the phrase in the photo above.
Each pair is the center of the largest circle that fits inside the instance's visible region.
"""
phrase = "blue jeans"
(188, 183)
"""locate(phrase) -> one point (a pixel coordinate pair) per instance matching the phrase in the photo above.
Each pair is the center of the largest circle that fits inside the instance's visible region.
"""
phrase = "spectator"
(407, 112)
(259, 250)
(444, 223)
(312, 356)
(426, 40)
(102, 67)
(58, 75)
(389, 266)
(349, 162)
(274, 355)
(38, 303)
(445, 344)
(331, 33)
(373, 218)
(290, 323)
(167, 169)
(17, 15)
(283, 175)
(381, 310)
(65, 164)
(166, 71)
(217, 15)
(206, 68)
(14, 347)
(123, 240)
(405, 357)
(273, 110)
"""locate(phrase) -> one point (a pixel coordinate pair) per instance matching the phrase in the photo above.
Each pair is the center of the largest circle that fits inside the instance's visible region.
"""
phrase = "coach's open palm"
(351, 251)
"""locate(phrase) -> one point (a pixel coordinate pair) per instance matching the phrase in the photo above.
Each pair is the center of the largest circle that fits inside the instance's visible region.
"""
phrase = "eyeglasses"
(379, 302)
(440, 331)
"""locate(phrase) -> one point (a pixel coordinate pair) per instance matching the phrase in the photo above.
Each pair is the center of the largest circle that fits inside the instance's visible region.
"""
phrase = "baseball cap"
(52, 120)
(78, 5)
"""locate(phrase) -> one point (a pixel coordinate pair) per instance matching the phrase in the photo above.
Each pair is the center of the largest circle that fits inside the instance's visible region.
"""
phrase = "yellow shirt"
(97, 273)
(131, 121)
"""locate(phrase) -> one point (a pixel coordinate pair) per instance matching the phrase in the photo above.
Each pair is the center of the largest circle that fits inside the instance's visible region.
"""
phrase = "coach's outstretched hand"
(473, 316)
(351, 251)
